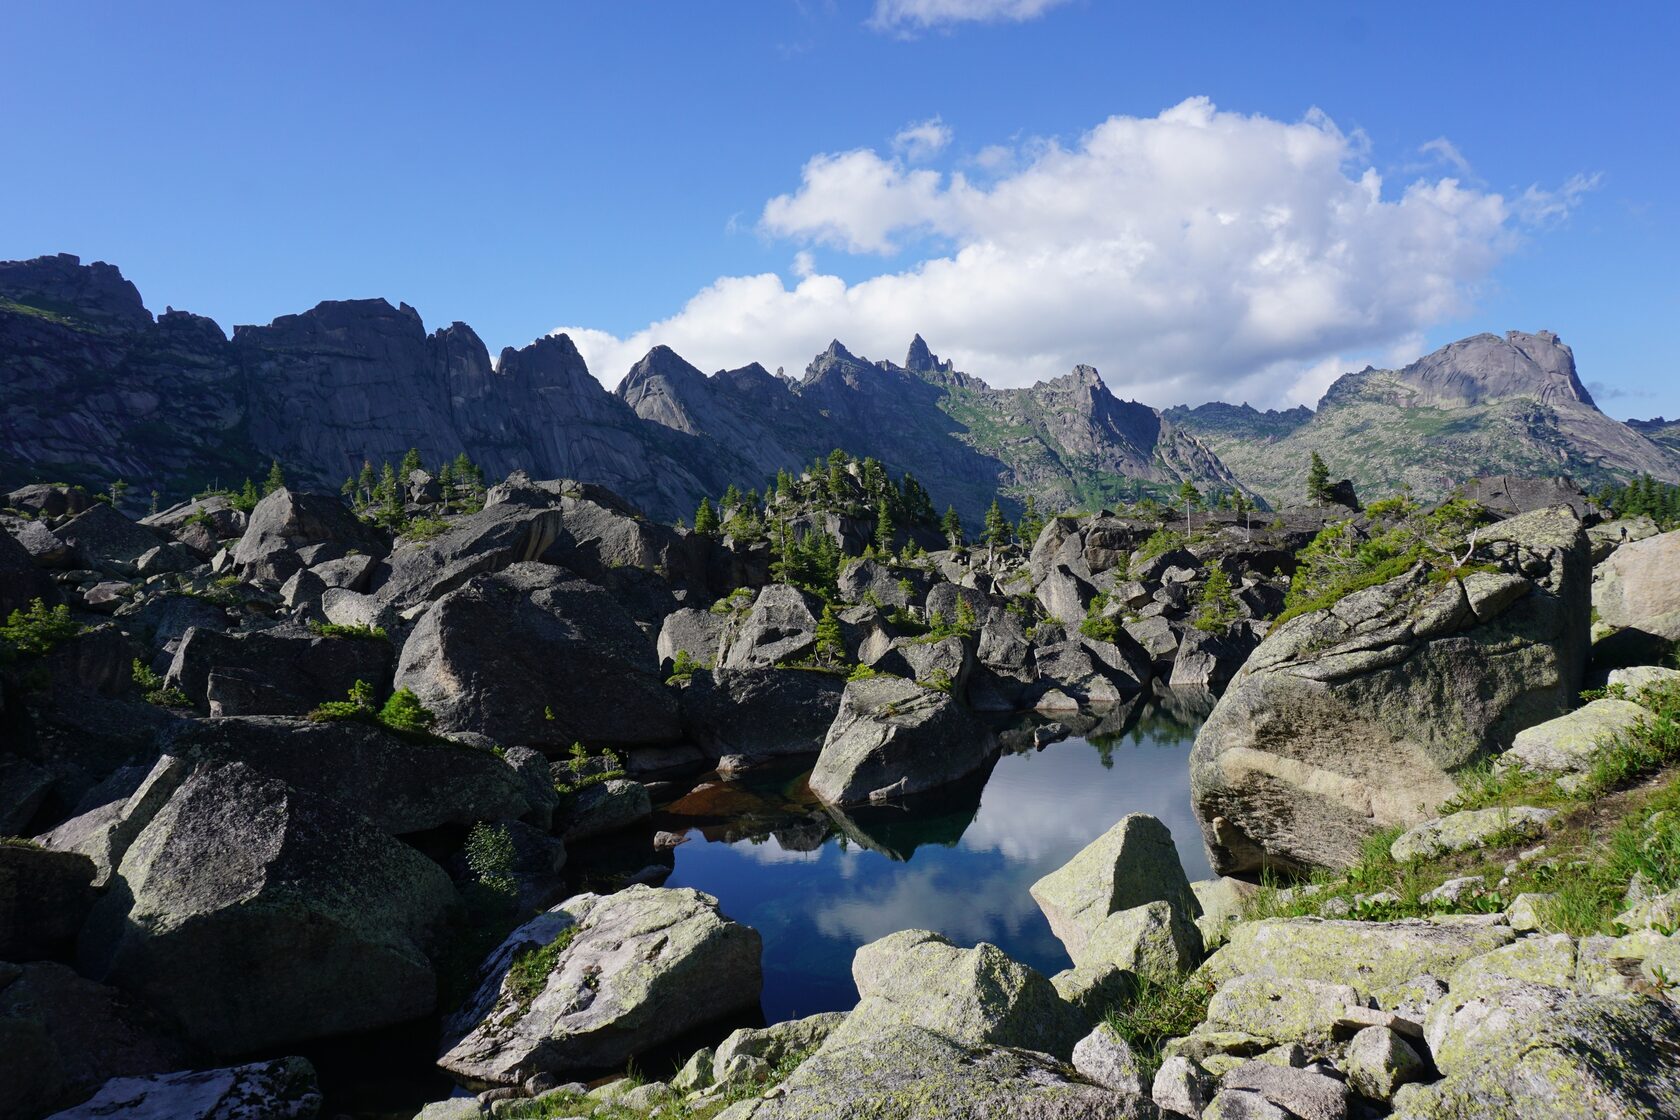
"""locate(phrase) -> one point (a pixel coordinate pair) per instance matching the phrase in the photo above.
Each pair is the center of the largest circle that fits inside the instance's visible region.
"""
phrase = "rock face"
(624, 973)
(781, 627)
(503, 653)
(285, 671)
(283, 1089)
(1350, 719)
(499, 535)
(1637, 591)
(258, 915)
(894, 738)
(1132, 864)
(288, 520)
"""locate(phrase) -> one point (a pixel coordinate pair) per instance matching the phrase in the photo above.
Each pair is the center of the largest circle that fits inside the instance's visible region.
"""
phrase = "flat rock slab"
(1473, 828)
(1570, 744)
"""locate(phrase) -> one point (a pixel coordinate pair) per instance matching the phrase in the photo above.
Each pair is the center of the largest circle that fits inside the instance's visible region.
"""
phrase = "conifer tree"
(883, 528)
(952, 525)
(1031, 523)
(731, 498)
(831, 644)
(997, 526)
(705, 519)
(410, 464)
(1318, 481)
(276, 478)
(365, 482)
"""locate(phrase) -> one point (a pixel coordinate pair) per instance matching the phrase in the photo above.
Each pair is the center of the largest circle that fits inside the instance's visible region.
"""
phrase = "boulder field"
(273, 778)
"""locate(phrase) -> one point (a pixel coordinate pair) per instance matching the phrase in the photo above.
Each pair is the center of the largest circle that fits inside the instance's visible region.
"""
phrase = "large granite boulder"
(280, 1089)
(102, 538)
(43, 499)
(45, 896)
(257, 915)
(1134, 863)
(288, 520)
(287, 671)
(781, 627)
(905, 1071)
(598, 980)
(535, 656)
(1384, 960)
(976, 996)
(495, 538)
(1536, 1052)
(1636, 591)
(751, 715)
(113, 814)
(1351, 719)
(692, 631)
(62, 1036)
(892, 738)
(402, 784)
(21, 581)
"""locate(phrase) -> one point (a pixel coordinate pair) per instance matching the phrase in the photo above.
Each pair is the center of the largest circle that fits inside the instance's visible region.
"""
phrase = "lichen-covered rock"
(1152, 942)
(772, 1044)
(976, 996)
(600, 979)
(1382, 959)
(1107, 1059)
(282, 1089)
(1280, 1010)
(1351, 719)
(1534, 1052)
(906, 1072)
(1379, 1061)
(893, 738)
(603, 807)
(693, 631)
(1302, 1093)
(1571, 743)
(1182, 1087)
(1134, 863)
(535, 656)
(258, 915)
(1223, 902)
(1472, 828)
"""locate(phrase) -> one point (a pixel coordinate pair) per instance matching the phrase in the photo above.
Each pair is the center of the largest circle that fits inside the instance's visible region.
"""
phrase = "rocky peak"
(1485, 368)
(920, 359)
(94, 293)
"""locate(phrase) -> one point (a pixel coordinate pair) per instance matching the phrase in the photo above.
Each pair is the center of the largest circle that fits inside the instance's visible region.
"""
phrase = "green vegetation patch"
(35, 631)
(530, 970)
(347, 630)
(1156, 1013)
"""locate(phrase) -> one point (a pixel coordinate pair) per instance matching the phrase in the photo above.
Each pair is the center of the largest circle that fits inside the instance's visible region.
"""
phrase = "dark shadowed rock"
(756, 714)
(63, 1036)
(21, 582)
(258, 915)
(288, 520)
(44, 898)
(102, 538)
(496, 537)
(281, 1089)
(46, 500)
(504, 652)
(285, 671)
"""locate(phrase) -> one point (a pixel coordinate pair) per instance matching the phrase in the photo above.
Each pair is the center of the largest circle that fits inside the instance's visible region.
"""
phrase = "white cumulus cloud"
(904, 16)
(1192, 255)
(922, 140)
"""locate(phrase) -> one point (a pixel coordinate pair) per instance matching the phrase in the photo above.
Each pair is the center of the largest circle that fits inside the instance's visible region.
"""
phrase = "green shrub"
(1097, 626)
(404, 712)
(347, 630)
(1160, 542)
(151, 685)
(489, 854)
(1216, 605)
(37, 630)
(421, 529)
(683, 667)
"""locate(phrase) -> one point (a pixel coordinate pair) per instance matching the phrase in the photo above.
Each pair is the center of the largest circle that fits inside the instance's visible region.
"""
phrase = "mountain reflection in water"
(818, 882)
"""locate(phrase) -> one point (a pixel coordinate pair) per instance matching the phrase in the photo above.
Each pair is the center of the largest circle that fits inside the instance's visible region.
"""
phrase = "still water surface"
(817, 883)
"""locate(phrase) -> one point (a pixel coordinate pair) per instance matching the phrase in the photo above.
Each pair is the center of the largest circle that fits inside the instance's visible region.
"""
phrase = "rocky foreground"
(285, 779)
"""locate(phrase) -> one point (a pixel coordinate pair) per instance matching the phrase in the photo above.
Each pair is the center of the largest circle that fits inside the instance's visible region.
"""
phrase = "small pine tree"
(276, 479)
(391, 493)
(831, 644)
(1218, 607)
(953, 527)
(997, 526)
(883, 528)
(706, 519)
(365, 482)
(1318, 481)
(731, 498)
(1031, 523)
(1188, 494)
(410, 464)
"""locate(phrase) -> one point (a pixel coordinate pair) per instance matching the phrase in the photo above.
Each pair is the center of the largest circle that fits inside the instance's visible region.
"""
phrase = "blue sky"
(1185, 198)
